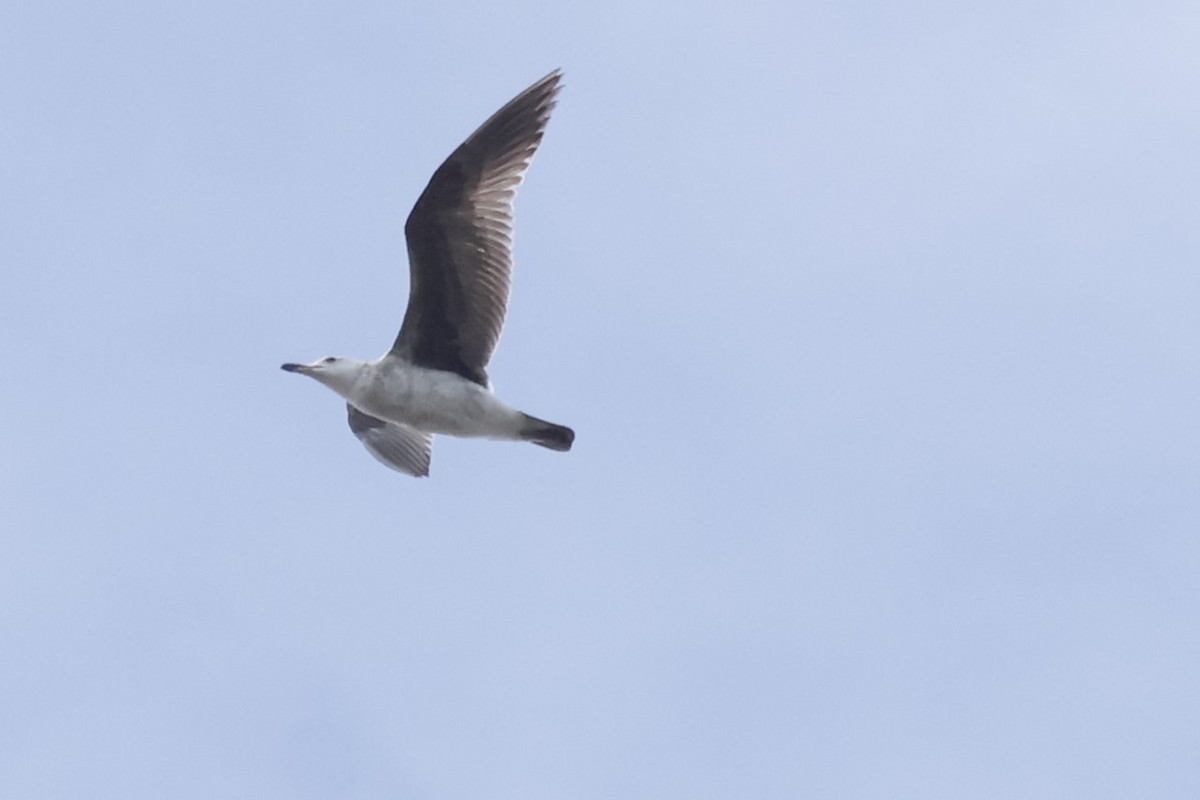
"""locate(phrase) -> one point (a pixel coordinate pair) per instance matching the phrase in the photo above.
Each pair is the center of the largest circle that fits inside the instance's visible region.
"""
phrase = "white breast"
(434, 401)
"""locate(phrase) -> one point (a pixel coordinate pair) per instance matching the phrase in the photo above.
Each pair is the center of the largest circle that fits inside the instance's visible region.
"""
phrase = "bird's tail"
(547, 434)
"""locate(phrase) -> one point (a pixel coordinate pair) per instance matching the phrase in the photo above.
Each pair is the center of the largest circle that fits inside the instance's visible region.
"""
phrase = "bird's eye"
(328, 360)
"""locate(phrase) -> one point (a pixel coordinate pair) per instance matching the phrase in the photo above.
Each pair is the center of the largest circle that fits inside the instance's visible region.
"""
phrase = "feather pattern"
(401, 447)
(460, 235)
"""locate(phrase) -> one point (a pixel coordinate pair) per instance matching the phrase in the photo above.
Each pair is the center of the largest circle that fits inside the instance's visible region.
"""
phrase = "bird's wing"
(400, 447)
(460, 240)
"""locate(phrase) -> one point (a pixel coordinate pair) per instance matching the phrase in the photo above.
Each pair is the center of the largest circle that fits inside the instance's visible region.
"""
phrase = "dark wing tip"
(459, 236)
(503, 144)
(519, 124)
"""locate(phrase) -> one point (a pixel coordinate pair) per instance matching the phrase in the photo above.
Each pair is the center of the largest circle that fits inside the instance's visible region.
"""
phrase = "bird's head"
(335, 372)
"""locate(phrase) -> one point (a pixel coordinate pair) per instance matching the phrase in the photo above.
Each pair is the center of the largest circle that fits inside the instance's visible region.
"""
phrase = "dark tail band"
(548, 435)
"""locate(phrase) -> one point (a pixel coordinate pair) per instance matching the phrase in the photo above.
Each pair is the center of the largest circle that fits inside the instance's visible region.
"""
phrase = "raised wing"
(460, 240)
(399, 447)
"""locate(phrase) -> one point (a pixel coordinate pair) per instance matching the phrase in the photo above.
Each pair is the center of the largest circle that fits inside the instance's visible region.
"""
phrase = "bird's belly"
(434, 401)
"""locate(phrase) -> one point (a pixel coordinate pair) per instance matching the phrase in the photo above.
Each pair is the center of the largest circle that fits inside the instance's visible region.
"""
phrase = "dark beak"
(292, 368)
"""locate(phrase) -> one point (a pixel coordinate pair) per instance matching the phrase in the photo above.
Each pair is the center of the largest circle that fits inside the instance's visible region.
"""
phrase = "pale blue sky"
(877, 324)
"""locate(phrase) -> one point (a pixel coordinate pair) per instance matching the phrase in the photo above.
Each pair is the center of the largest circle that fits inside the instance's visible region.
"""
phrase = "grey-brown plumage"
(433, 380)
(460, 240)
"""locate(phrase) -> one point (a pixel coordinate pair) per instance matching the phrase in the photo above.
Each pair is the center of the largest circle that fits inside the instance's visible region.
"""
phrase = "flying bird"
(433, 380)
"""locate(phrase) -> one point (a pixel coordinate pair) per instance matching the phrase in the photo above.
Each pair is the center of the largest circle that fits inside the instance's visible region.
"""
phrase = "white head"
(339, 374)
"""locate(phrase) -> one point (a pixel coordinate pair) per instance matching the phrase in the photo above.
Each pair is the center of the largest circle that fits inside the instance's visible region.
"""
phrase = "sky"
(876, 323)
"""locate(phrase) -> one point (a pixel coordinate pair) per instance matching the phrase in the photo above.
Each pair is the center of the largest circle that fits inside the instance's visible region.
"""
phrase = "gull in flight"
(433, 379)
